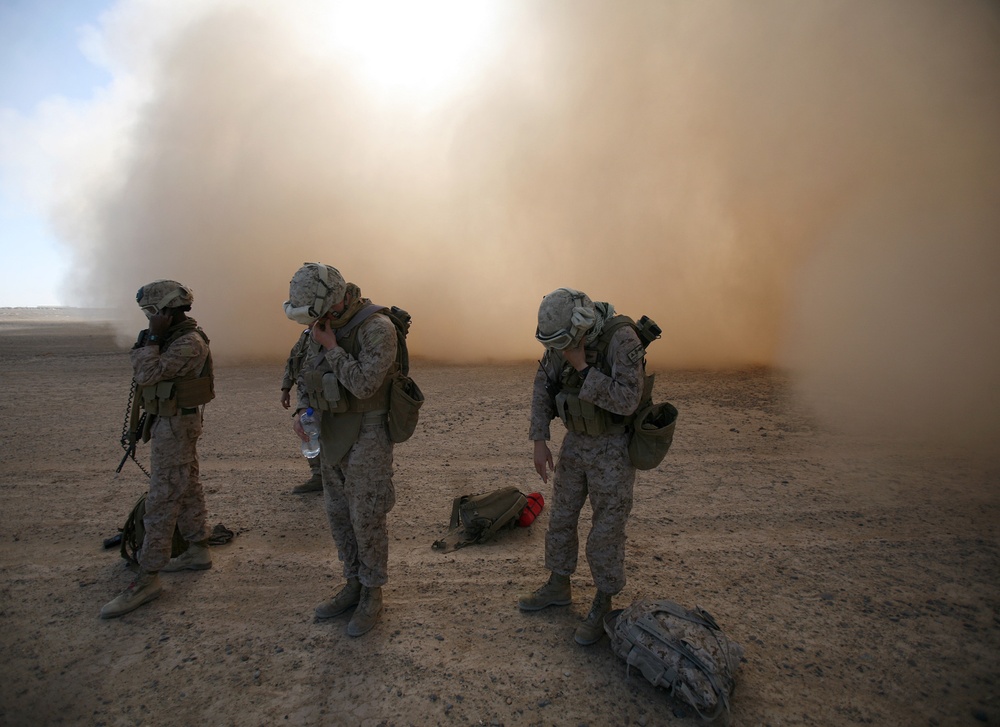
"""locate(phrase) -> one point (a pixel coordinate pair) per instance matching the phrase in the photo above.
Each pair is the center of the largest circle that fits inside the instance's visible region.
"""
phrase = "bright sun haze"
(412, 48)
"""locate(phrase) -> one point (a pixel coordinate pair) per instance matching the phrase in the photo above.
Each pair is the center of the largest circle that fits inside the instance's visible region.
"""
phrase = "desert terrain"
(861, 576)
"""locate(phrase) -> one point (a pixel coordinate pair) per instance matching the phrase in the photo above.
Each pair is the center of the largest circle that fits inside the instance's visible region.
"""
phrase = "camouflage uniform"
(175, 493)
(294, 362)
(357, 485)
(595, 466)
(292, 367)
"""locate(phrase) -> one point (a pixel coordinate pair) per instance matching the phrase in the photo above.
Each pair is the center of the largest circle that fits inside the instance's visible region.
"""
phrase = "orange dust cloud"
(811, 185)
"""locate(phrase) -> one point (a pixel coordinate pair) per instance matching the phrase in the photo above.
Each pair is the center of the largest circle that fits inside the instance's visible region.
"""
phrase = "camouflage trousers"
(175, 494)
(358, 492)
(597, 467)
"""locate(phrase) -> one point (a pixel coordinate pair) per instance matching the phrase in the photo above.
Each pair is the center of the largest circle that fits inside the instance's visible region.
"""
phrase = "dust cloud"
(808, 185)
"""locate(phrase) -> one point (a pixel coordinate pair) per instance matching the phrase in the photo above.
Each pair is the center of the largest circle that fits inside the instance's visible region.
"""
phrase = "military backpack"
(682, 650)
(477, 518)
(134, 532)
(405, 397)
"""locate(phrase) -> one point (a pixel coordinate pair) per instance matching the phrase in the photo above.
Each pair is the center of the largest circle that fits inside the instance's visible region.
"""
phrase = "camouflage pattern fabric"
(361, 375)
(358, 493)
(682, 650)
(294, 363)
(184, 356)
(312, 291)
(598, 468)
(594, 467)
(175, 492)
(357, 487)
(164, 294)
(618, 392)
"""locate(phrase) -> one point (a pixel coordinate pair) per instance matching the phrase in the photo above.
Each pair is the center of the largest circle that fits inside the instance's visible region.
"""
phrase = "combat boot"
(142, 590)
(346, 598)
(556, 592)
(313, 484)
(196, 557)
(592, 628)
(366, 614)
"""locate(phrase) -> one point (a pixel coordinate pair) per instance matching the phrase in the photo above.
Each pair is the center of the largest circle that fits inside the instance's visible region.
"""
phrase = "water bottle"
(310, 425)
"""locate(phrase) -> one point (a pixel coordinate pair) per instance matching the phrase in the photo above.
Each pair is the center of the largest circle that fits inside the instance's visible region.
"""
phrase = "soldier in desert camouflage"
(172, 368)
(346, 377)
(291, 375)
(592, 376)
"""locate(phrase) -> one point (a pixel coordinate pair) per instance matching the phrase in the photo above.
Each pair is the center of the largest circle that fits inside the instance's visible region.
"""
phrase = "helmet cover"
(313, 290)
(564, 317)
(154, 297)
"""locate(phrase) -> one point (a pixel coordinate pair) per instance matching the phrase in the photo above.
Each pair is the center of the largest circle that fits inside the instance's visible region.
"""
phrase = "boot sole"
(115, 614)
(584, 642)
(528, 607)
(324, 615)
(193, 566)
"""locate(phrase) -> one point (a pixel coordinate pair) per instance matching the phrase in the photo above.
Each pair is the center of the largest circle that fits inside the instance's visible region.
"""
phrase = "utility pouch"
(652, 435)
(158, 399)
(194, 392)
(331, 390)
(405, 400)
(580, 416)
(318, 382)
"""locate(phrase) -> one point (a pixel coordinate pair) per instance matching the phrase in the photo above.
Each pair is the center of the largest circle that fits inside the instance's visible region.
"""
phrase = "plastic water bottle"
(310, 425)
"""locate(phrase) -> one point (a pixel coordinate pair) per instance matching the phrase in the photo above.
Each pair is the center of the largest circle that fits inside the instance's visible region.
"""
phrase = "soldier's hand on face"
(323, 334)
(543, 459)
(286, 398)
(576, 357)
(159, 323)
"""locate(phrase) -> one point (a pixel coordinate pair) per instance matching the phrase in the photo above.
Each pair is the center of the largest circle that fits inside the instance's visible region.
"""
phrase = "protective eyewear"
(560, 340)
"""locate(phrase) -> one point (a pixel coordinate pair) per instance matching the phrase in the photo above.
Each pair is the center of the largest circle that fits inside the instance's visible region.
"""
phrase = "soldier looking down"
(591, 376)
(346, 377)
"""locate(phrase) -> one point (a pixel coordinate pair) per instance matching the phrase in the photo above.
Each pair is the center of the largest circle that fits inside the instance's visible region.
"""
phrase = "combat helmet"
(313, 290)
(564, 317)
(160, 294)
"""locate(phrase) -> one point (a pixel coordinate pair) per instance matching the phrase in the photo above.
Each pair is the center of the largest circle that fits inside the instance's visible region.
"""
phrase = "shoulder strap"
(612, 325)
(358, 318)
(608, 332)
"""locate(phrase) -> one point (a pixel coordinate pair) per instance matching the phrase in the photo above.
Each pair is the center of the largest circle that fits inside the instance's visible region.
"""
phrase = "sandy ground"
(860, 576)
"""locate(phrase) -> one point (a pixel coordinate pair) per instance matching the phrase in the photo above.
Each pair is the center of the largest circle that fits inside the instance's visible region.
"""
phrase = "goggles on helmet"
(307, 314)
(560, 340)
(581, 320)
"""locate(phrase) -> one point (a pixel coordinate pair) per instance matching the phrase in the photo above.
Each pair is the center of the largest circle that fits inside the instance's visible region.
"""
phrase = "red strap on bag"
(535, 504)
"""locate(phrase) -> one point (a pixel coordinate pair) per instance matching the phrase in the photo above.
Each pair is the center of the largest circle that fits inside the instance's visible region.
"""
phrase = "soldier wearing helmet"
(172, 369)
(346, 377)
(592, 376)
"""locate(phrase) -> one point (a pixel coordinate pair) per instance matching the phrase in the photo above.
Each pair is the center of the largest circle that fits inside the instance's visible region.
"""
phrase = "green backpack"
(405, 397)
(477, 518)
(134, 532)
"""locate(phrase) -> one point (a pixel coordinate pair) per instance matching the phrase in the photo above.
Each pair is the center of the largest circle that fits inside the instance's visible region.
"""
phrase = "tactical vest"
(583, 417)
(186, 393)
(324, 391)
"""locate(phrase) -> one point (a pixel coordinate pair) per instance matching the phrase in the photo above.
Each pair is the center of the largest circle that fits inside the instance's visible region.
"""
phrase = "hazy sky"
(41, 62)
(810, 184)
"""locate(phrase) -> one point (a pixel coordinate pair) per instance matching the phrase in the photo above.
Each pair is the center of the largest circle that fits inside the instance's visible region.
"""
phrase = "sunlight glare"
(413, 47)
